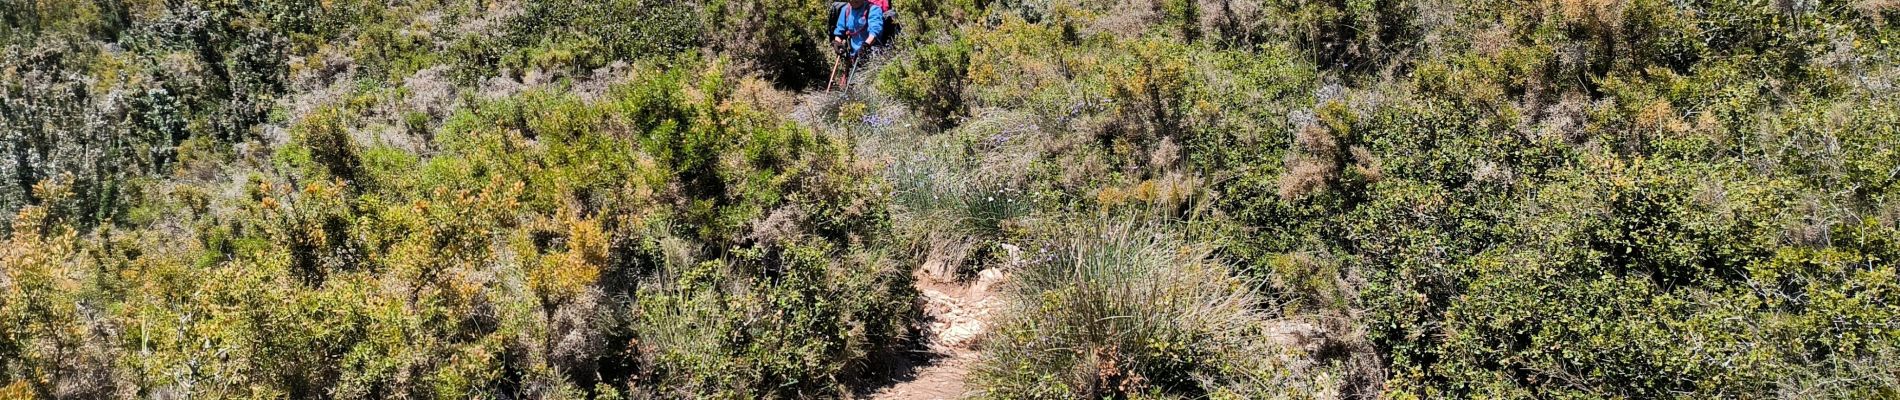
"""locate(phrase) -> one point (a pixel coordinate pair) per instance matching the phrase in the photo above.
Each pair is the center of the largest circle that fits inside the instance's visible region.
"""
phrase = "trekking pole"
(831, 81)
(853, 72)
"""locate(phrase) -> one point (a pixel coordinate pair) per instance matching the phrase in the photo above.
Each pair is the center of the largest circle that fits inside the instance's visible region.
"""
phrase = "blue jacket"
(859, 24)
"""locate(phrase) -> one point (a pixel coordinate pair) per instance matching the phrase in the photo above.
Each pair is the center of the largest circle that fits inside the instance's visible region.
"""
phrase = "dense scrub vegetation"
(1194, 198)
(368, 200)
(1471, 199)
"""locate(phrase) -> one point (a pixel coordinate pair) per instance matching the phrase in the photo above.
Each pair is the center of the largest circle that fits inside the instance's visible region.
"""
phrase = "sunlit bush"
(932, 81)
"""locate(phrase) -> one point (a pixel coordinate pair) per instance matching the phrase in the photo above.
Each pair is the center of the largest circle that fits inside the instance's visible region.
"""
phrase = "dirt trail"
(958, 316)
(957, 312)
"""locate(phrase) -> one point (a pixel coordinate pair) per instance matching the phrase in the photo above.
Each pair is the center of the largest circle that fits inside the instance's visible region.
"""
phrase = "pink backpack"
(884, 4)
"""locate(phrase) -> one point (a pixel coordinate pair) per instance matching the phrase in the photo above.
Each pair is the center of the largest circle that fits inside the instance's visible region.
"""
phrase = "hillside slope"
(1016, 199)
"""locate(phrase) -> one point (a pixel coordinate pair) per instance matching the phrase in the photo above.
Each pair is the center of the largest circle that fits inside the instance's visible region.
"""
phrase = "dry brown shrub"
(1598, 15)
(1367, 165)
(1487, 171)
(1165, 154)
(760, 93)
(1313, 165)
(1877, 10)
(1304, 176)
(1564, 120)
(946, 255)
(1127, 19)
(1316, 140)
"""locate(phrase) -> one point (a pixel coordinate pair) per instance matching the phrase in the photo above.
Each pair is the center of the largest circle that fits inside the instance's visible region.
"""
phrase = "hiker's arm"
(876, 25)
(837, 27)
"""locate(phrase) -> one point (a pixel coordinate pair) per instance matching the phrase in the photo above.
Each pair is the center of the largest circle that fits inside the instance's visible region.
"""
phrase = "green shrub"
(932, 81)
(927, 20)
(384, 52)
(1149, 92)
(58, 127)
(1348, 35)
(579, 36)
(783, 39)
(44, 341)
(321, 144)
(726, 330)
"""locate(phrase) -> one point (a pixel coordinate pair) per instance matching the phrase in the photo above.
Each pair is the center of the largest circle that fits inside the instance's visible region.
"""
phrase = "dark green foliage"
(780, 39)
(791, 329)
(1539, 234)
(927, 20)
(1346, 35)
(323, 140)
(56, 127)
(236, 68)
(102, 94)
(932, 81)
(578, 36)
(785, 39)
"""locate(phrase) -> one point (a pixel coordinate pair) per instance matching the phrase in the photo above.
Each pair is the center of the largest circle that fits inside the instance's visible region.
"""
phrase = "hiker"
(860, 22)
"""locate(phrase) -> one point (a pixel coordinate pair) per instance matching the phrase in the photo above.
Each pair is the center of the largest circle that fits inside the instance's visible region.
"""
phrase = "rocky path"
(958, 315)
(957, 312)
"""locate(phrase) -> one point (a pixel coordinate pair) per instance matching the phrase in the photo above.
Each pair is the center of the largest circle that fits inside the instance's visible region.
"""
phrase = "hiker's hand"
(869, 40)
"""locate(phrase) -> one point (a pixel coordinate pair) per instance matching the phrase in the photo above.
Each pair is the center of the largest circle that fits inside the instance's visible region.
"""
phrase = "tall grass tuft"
(1128, 309)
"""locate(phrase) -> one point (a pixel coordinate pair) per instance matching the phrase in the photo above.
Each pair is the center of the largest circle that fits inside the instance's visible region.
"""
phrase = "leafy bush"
(1587, 247)
(718, 329)
(57, 127)
(322, 142)
(932, 81)
(784, 39)
(1345, 35)
(543, 35)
